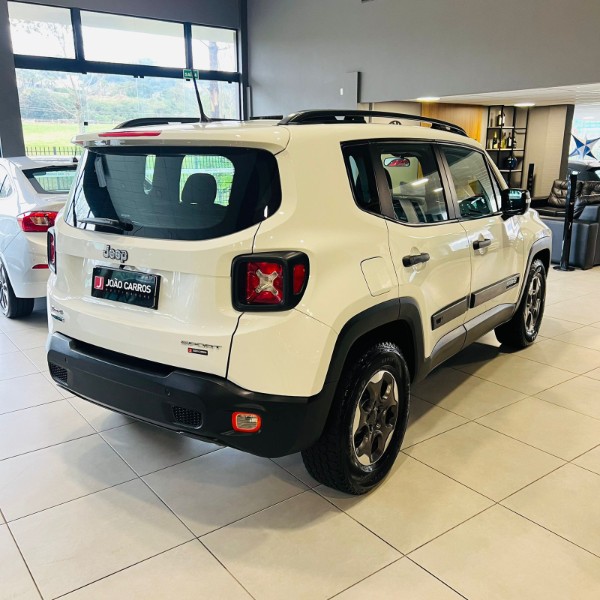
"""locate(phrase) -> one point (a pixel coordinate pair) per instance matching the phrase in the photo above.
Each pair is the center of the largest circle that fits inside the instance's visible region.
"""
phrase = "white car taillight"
(37, 221)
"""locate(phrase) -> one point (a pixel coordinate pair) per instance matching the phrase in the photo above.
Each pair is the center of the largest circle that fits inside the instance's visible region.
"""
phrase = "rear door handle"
(414, 259)
(479, 244)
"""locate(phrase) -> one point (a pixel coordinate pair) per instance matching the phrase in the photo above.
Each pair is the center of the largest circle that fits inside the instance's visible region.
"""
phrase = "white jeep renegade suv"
(276, 286)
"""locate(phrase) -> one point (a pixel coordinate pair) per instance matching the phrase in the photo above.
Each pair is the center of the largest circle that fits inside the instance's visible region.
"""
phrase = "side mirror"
(515, 202)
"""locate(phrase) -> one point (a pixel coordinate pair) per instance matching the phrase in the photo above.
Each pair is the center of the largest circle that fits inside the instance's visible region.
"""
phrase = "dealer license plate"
(130, 287)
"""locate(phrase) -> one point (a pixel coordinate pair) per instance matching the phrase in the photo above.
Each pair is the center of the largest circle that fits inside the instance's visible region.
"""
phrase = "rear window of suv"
(174, 193)
(51, 180)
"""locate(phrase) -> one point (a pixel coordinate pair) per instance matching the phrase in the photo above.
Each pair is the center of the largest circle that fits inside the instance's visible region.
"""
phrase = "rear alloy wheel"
(11, 306)
(522, 330)
(366, 424)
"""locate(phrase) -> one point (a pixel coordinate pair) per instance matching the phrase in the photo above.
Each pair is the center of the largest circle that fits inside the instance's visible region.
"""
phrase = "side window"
(474, 191)
(414, 180)
(362, 178)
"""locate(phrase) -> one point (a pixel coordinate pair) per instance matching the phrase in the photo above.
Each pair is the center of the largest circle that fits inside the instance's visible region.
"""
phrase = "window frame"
(452, 188)
(80, 64)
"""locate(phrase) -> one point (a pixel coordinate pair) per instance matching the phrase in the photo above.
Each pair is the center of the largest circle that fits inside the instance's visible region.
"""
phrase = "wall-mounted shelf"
(506, 140)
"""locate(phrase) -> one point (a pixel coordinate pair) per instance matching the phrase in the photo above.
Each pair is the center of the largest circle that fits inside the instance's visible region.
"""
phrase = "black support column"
(11, 131)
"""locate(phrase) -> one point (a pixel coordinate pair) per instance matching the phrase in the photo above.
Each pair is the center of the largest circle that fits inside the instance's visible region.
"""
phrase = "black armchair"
(585, 238)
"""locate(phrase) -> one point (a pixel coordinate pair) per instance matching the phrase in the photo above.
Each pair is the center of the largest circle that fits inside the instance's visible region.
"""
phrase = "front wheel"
(522, 330)
(366, 424)
(11, 306)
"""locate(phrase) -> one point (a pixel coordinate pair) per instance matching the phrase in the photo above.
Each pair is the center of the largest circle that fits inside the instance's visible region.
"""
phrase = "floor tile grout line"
(408, 554)
(16, 410)
(577, 412)
(531, 483)
(434, 436)
(157, 470)
(562, 537)
(412, 560)
(365, 578)
(540, 362)
(104, 489)
(453, 479)
(256, 512)
(513, 389)
(518, 354)
(362, 525)
(566, 460)
(584, 453)
(225, 568)
(139, 562)
(49, 446)
(12, 535)
(470, 420)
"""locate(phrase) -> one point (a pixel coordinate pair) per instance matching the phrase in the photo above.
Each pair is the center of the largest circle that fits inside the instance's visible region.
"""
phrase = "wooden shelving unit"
(506, 140)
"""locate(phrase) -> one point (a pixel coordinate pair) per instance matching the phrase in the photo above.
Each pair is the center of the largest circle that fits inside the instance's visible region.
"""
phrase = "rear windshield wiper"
(105, 222)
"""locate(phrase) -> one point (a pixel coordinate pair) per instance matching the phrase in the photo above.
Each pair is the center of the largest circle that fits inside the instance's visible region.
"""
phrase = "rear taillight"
(37, 221)
(274, 281)
(51, 248)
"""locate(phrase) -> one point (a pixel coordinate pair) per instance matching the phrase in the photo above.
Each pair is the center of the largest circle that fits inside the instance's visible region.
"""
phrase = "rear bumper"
(196, 404)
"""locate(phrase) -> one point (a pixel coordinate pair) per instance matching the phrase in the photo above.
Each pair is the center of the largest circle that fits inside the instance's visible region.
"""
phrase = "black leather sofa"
(585, 239)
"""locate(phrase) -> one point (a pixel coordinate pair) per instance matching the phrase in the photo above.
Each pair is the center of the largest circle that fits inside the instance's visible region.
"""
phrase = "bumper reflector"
(246, 422)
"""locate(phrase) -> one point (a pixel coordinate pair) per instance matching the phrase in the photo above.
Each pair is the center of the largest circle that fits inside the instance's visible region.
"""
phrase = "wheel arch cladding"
(397, 321)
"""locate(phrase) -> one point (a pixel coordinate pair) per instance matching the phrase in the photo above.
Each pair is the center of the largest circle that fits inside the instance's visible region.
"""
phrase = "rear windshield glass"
(51, 180)
(174, 193)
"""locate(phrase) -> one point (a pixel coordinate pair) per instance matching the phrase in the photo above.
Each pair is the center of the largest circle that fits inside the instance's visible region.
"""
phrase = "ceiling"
(571, 94)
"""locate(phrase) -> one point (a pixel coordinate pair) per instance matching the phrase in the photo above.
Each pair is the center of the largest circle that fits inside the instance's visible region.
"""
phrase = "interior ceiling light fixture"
(525, 104)
(428, 99)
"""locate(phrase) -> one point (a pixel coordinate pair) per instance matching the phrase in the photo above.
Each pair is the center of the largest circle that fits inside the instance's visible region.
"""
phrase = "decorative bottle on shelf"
(509, 141)
(500, 119)
(504, 141)
(495, 141)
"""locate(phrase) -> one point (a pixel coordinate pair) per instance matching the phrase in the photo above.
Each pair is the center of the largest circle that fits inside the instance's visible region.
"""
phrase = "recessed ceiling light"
(428, 99)
(525, 104)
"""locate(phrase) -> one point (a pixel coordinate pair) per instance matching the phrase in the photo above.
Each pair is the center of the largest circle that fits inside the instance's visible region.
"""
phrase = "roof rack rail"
(313, 117)
(156, 121)
(267, 118)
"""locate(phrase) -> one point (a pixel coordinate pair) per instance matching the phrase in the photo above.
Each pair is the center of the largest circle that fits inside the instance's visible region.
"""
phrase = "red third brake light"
(37, 221)
(264, 283)
(115, 134)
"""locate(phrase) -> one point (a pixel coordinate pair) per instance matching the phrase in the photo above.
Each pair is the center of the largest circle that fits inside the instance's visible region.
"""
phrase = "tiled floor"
(495, 495)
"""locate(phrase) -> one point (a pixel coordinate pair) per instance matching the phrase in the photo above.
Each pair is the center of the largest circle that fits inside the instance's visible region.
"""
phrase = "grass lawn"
(55, 134)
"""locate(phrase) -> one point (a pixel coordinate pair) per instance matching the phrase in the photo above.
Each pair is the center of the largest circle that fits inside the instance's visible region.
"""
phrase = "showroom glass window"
(130, 40)
(214, 49)
(41, 30)
(414, 180)
(474, 191)
(83, 71)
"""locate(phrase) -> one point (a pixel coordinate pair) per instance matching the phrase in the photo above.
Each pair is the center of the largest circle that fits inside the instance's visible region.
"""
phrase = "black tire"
(522, 330)
(366, 424)
(11, 306)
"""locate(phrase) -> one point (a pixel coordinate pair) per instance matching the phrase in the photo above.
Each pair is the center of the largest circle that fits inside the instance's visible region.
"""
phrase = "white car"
(31, 194)
(276, 286)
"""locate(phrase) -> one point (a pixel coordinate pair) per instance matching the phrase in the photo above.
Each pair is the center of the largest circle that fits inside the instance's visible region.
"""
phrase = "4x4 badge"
(120, 255)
